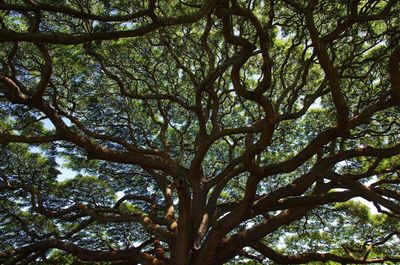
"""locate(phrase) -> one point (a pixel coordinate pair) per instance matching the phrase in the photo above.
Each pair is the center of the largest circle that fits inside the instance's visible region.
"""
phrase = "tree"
(214, 132)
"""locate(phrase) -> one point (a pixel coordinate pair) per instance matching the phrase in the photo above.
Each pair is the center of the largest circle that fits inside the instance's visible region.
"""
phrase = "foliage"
(201, 132)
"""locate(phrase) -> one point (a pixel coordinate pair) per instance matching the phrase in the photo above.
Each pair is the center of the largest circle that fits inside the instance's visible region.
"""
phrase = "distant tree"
(202, 132)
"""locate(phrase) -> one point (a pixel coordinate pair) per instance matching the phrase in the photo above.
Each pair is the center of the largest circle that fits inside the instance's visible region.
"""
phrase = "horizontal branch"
(12, 138)
(7, 35)
(61, 9)
(314, 257)
(85, 254)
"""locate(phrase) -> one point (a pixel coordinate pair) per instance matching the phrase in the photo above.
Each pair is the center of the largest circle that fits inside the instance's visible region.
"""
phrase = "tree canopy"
(201, 132)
